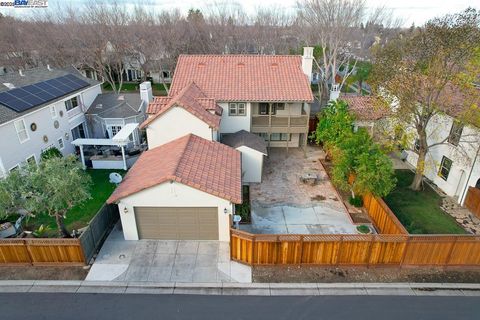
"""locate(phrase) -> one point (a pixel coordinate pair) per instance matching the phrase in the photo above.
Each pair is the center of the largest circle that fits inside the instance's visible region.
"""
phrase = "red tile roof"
(205, 165)
(365, 107)
(192, 99)
(244, 77)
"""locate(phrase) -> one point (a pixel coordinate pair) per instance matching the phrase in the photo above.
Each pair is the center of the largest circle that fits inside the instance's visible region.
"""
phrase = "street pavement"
(37, 306)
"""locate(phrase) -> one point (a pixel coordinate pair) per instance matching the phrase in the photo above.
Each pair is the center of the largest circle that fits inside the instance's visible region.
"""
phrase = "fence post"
(405, 251)
(30, 255)
(301, 249)
(449, 256)
(337, 263)
(369, 253)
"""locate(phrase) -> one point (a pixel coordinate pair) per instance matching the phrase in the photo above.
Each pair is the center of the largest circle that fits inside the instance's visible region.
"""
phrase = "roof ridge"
(239, 55)
(182, 154)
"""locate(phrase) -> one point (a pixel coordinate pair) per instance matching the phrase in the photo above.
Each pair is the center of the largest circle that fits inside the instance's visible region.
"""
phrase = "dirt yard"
(329, 275)
(43, 273)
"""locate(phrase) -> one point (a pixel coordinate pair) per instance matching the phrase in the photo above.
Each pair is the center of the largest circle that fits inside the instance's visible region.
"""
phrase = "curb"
(251, 289)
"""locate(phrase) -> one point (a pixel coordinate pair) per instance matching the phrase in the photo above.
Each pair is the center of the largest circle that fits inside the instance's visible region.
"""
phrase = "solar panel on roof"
(27, 97)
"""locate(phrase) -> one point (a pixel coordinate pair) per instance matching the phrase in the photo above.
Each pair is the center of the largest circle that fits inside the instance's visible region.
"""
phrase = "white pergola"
(119, 140)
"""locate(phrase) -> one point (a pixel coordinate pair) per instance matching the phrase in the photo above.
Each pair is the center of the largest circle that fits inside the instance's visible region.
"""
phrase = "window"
(60, 143)
(31, 160)
(21, 130)
(15, 168)
(114, 130)
(53, 112)
(445, 167)
(72, 103)
(265, 107)
(263, 135)
(416, 145)
(278, 106)
(280, 137)
(455, 133)
(237, 109)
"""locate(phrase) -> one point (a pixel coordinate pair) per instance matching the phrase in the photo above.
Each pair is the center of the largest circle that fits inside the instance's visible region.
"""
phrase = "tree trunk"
(62, 229)
(360, 82)
(420, 169)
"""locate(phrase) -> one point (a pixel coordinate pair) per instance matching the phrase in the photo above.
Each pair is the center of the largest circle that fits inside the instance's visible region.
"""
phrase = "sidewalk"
(251, 289)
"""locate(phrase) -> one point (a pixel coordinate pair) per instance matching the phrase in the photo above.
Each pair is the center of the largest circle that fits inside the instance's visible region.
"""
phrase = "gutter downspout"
(469, 176)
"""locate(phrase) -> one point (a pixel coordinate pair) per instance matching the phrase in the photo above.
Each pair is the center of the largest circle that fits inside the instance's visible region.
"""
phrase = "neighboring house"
(368, 114)
(186, 185)
(110, 112)
(42, 108)
(184, 189)
(454, 164)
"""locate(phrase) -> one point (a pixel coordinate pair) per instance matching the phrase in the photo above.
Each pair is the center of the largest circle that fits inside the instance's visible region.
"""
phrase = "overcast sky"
(417, 11)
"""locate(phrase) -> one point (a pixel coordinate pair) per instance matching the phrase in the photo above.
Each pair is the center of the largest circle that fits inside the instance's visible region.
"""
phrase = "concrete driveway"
(166, 261)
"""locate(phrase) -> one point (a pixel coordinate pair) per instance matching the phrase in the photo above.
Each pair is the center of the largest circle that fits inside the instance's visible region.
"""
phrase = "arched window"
(478, 184)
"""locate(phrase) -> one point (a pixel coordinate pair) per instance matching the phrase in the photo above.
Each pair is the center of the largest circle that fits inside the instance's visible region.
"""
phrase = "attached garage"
(182, 223)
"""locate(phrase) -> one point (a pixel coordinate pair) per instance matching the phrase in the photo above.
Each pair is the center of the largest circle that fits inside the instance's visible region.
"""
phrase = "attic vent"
(274, 65)
(99, 106)
(201, 65)
(9, 85)
(240, 64)
(121, 98)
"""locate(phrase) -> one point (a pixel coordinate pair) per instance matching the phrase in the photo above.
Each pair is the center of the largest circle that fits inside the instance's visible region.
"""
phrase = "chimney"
(146, 92)
(49, 68)
(307, 62)
(334, 92)
(21, 73)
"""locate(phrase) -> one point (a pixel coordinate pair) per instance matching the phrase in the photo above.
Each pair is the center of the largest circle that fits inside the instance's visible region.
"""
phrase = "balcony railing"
(279, 121)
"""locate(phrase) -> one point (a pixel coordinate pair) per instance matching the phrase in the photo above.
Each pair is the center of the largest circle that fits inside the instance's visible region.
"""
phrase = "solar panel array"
(25, 98)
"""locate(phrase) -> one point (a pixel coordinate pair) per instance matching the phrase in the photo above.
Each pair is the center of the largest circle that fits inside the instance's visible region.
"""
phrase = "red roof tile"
(209, 166)
(244, 77)
(365, 107)
(192, 99)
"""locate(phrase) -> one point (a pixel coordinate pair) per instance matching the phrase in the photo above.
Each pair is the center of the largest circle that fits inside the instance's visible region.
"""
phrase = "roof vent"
(99, 106)
(121, 98)
(240, 64)
(201, 65)
(274, 65)
(9, 85)
(49, 68)
(21, 73)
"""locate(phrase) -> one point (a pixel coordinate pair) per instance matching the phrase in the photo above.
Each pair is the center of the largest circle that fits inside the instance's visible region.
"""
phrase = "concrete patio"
(166, 261)
(282, 204)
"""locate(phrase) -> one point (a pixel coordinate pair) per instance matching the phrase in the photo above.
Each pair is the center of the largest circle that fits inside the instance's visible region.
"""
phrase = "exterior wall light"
(125, 210)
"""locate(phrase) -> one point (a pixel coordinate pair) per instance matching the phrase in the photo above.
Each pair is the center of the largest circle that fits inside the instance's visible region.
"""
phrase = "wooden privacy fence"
(355, 250)
(383, 218)
(48, 252)
(472, 201)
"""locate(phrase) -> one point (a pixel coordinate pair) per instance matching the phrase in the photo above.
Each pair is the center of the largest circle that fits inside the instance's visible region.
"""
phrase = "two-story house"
(208, 137)
(42, 108)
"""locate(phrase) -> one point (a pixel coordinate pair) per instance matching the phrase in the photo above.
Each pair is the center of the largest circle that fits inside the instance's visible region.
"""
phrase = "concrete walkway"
(252, 289)
(166, 261)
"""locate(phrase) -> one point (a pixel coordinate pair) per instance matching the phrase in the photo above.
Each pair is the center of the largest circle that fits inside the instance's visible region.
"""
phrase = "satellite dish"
(115, 178)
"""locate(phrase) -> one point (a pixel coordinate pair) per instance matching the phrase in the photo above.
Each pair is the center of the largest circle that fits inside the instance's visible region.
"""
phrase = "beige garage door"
(177, 223)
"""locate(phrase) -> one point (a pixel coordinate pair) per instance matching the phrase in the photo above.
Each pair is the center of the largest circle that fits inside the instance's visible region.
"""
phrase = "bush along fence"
(71, 252)
(395, 247)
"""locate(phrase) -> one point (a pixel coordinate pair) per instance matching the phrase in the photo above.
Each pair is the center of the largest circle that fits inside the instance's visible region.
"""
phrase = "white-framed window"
(14, 168)
(265, 108)
(416, 145)
(31, 160)
(53, 112)
(22, 132)
(455, 133)
(72, 103)
(60, 143)
(263, 135)
(114, 130)
(445, 167)
(237, 109)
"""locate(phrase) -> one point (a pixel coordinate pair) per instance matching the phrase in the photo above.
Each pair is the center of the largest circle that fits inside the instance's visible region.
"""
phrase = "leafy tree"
(361, 73)
(335, 124)
(52, 187)
(424, 72)
(51, 153)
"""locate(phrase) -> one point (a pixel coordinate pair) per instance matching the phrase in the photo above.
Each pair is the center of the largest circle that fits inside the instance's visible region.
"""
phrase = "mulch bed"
(42, 273)
(362, 274)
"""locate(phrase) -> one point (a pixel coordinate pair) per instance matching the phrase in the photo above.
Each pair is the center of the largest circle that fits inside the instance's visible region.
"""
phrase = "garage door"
(177, 223)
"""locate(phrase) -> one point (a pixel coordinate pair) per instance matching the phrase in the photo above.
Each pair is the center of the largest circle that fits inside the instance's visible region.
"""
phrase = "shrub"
(356, 201)
(363, 229)
(51, 153)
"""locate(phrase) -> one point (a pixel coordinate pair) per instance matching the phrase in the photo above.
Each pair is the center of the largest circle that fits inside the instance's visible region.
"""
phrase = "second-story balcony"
(277, 123)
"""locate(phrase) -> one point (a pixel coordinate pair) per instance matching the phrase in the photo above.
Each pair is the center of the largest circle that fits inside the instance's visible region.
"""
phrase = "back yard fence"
(472, 201)
(72, 252)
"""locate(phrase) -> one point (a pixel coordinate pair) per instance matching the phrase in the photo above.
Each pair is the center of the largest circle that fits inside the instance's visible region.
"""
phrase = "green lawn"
(157, 88)
(79, 216)
(420, 212)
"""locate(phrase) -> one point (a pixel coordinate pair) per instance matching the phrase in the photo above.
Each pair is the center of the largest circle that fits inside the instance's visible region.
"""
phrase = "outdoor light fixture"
(225, 211)
(125, 210)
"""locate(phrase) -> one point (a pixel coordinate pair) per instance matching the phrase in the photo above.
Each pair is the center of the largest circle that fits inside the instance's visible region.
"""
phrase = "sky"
(411, 11)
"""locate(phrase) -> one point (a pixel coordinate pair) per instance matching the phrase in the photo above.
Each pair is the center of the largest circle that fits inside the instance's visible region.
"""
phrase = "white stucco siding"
(89, 95)
(462, 156)
(252, 164)
(176, 123)
(232, 124)
(173, 195)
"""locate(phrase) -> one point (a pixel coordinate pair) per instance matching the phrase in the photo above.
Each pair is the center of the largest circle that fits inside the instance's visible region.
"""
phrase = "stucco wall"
(252, 164)
(173, 195)
(176, 123)
(12, 152)
(294, 142)
(462, 157)
(232, 124)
